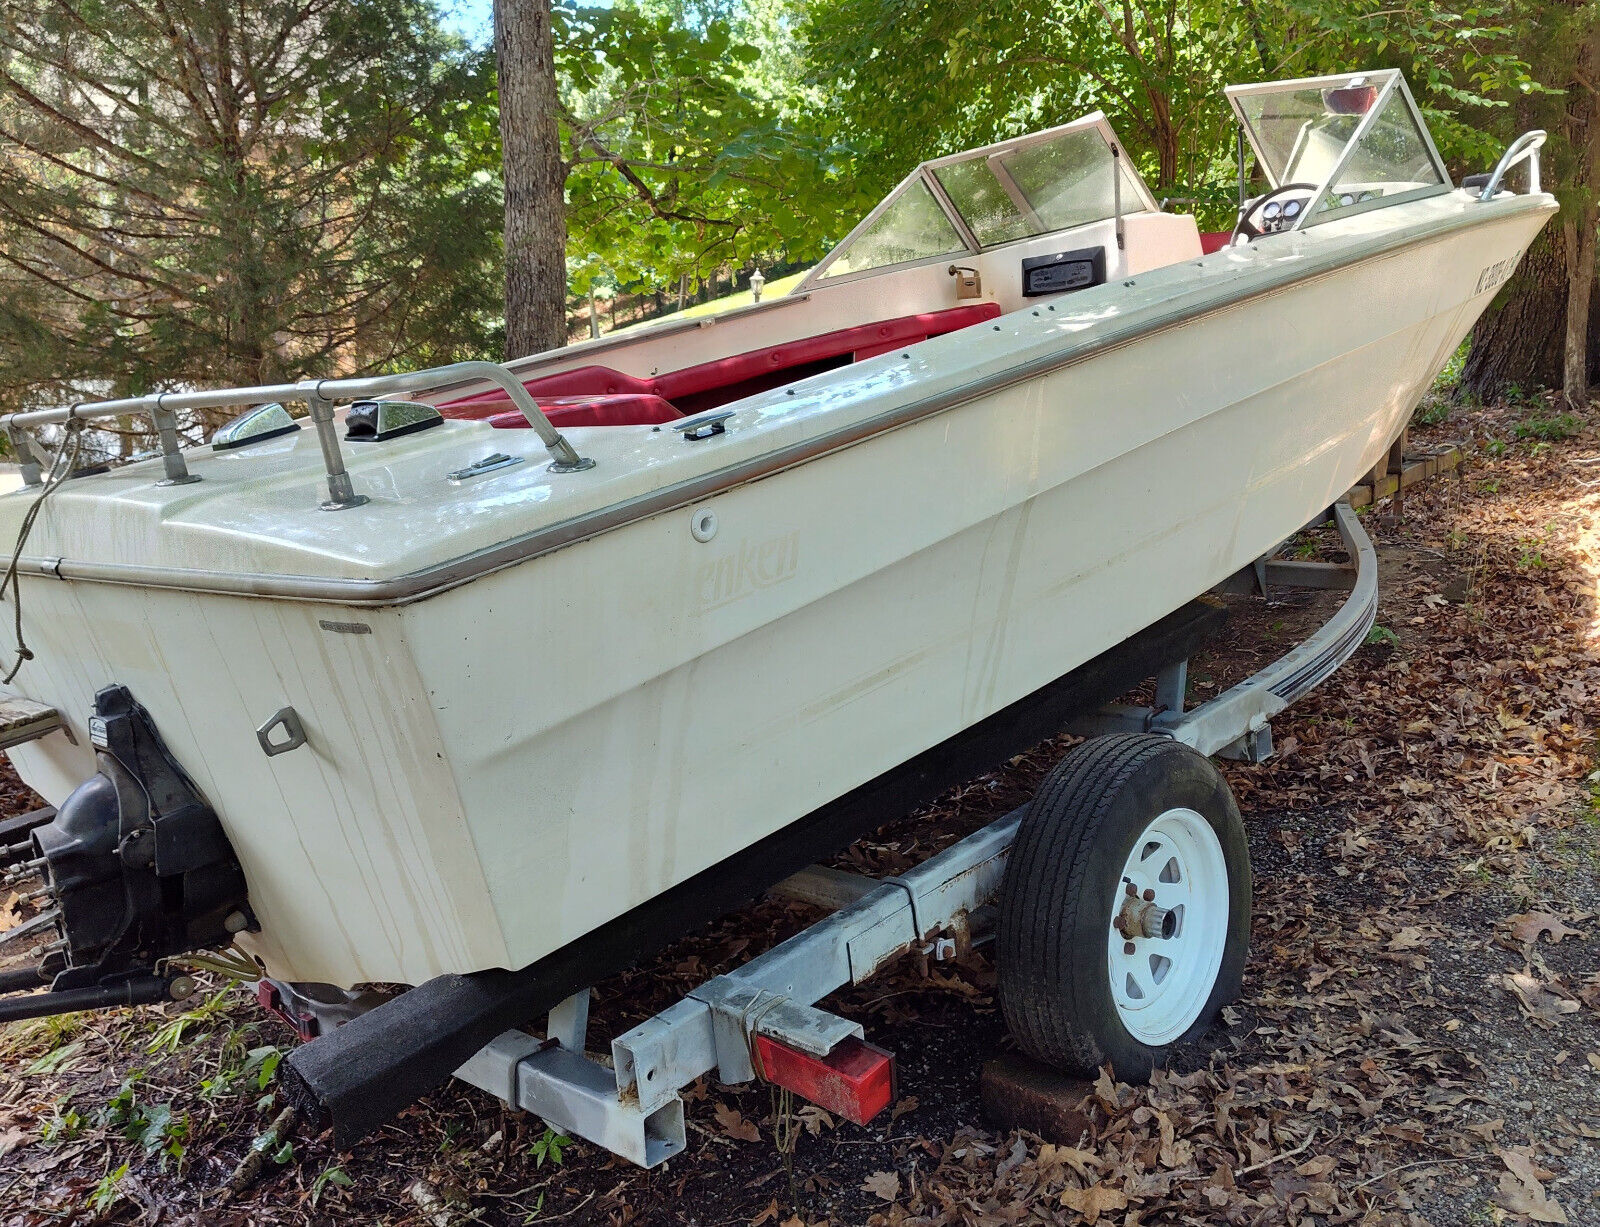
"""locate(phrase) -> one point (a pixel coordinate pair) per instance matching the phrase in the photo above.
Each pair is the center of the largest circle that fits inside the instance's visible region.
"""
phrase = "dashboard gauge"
(1291, 209)
(1270, 209)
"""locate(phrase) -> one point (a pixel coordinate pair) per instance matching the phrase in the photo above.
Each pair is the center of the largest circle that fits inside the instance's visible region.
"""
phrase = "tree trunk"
(1166, 140)
(1580, 232)
(1578, 346)
(530, 139)
(1512, 343)
(1540, 333)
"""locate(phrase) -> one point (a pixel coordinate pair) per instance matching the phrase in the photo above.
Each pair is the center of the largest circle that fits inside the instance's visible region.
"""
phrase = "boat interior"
(966, 238)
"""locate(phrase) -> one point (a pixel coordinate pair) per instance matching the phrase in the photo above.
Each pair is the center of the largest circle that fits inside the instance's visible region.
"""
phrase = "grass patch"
(1552, 428)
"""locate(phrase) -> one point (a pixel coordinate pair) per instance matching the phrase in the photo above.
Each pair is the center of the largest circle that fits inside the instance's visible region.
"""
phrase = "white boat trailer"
(632, 1107)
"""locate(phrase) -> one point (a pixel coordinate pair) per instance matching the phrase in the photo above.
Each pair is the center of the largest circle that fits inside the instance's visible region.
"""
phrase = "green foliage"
(151, 1125)
(549, 1147)
(682, 151)
(913, 80)
(1466, 64)
(1434, 409)
(56, 1060)
(1548, 429)
(64, 1125)
(256, 1067)
(104, 1195)
(334, 1176)
(1382, 636)
(169, 1036)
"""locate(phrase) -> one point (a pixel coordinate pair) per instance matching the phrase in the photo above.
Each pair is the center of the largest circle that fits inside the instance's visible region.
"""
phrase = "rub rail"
(319, 395)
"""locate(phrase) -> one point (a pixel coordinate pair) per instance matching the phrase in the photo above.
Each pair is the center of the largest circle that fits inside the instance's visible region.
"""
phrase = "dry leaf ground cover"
(1419, 1039)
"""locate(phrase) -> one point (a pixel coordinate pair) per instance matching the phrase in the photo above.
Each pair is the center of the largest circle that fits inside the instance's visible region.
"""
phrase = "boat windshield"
(982, 198)
(1358, 139)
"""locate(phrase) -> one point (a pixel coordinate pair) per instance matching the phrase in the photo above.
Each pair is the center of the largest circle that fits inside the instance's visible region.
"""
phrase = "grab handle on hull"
(319, 395)
(1524, 149)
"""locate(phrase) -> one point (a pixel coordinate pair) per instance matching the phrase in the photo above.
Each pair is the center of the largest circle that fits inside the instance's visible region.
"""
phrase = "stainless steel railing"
(320, 397)
(1524, 149)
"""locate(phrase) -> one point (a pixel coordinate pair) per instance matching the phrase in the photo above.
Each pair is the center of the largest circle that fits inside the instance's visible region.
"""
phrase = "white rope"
(55, 475)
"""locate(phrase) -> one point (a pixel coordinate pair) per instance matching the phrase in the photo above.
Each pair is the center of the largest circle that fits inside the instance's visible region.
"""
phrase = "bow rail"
(319, 395)
(1524, 149)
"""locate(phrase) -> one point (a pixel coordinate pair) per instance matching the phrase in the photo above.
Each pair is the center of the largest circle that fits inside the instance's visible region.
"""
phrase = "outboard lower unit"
(137, 870)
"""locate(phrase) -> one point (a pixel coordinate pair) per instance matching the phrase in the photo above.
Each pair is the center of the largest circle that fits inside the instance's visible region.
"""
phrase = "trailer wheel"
(1125, 911)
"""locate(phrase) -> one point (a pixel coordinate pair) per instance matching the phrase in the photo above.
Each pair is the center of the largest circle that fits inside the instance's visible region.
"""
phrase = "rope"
(55, 475)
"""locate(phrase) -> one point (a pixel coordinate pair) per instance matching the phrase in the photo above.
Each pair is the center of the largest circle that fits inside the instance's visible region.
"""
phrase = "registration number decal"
(1494, 274)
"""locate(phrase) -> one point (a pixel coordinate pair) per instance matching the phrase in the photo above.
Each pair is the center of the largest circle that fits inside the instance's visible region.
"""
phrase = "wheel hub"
(1168, 927)
(1142, 918)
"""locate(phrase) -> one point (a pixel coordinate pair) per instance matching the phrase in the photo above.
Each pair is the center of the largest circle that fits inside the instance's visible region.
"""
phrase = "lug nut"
(1150, 895)
(1127, 947)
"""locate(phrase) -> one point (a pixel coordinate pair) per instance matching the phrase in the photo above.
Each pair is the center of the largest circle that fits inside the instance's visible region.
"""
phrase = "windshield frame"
(1391, 81)
(1140, 200)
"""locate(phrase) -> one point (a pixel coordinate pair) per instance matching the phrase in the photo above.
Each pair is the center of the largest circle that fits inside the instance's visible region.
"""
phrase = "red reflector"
(855, 1080)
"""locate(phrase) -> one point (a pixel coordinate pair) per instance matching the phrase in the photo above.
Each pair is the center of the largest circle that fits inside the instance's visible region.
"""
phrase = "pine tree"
(198, 191)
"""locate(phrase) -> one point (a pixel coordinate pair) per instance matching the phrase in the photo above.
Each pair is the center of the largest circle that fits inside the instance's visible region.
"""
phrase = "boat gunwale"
(456, 572)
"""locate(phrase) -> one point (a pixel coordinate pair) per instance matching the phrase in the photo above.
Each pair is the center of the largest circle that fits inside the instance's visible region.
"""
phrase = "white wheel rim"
(1161, 984)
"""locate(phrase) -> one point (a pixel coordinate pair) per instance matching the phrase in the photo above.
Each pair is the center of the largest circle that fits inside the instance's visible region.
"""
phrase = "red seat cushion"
(580, 381)
(625, 409)
(1214, 240)
(868, 338)
(600, 396)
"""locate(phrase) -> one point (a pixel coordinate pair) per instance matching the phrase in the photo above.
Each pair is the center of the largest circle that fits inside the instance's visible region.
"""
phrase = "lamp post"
(757, 281)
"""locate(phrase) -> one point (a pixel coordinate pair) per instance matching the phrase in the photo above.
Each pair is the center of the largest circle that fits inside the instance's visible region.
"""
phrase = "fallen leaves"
(1543, 1002)
(1528, 927)
(1522, 1189)
(885, 1185)
(734, 1125)
(1094, 1201)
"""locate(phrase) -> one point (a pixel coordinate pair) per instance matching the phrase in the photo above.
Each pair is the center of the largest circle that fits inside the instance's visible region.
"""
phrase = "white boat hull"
(497, 770)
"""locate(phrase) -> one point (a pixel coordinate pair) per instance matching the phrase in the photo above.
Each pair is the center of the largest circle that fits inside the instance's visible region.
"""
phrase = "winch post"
(341, 490)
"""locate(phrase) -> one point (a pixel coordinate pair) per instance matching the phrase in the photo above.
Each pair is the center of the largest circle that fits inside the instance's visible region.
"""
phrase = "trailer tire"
(1075, 991)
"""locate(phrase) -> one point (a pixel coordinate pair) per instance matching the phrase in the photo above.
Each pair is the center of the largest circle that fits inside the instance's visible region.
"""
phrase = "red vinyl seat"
(860, 342)
(623, 409)
(600, 396)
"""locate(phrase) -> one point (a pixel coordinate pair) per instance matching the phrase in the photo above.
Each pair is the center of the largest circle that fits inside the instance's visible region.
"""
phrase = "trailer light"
(855, 1080)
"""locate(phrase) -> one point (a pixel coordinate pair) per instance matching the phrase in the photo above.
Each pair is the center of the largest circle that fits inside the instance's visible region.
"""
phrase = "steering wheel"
(1262, 224)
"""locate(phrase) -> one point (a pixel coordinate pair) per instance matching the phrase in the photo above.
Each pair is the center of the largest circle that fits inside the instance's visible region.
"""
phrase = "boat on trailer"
(506, 674)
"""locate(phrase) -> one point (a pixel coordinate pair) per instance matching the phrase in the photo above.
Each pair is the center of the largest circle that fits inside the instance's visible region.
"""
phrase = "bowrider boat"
(486, 664)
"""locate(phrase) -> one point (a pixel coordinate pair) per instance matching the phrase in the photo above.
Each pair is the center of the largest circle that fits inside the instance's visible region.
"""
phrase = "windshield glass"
(1018, 189)
(912, 227)
(1037, 186)
(1301, 130)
